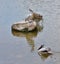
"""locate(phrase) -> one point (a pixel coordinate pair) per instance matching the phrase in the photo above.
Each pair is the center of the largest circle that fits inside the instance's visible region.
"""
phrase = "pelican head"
(41, 46)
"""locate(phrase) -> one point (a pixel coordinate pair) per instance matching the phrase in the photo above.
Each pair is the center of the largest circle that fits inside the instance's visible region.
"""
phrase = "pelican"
(44, 50)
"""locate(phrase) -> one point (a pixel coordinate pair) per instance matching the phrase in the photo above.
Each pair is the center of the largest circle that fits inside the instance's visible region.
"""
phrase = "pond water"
(21, 48)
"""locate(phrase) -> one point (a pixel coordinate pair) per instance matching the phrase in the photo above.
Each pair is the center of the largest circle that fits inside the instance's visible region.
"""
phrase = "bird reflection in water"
(45, 56)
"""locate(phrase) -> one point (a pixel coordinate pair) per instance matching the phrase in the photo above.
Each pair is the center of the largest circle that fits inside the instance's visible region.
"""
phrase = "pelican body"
(24, 26)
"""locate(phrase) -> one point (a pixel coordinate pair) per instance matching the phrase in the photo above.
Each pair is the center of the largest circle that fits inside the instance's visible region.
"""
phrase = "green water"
(21, 48)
